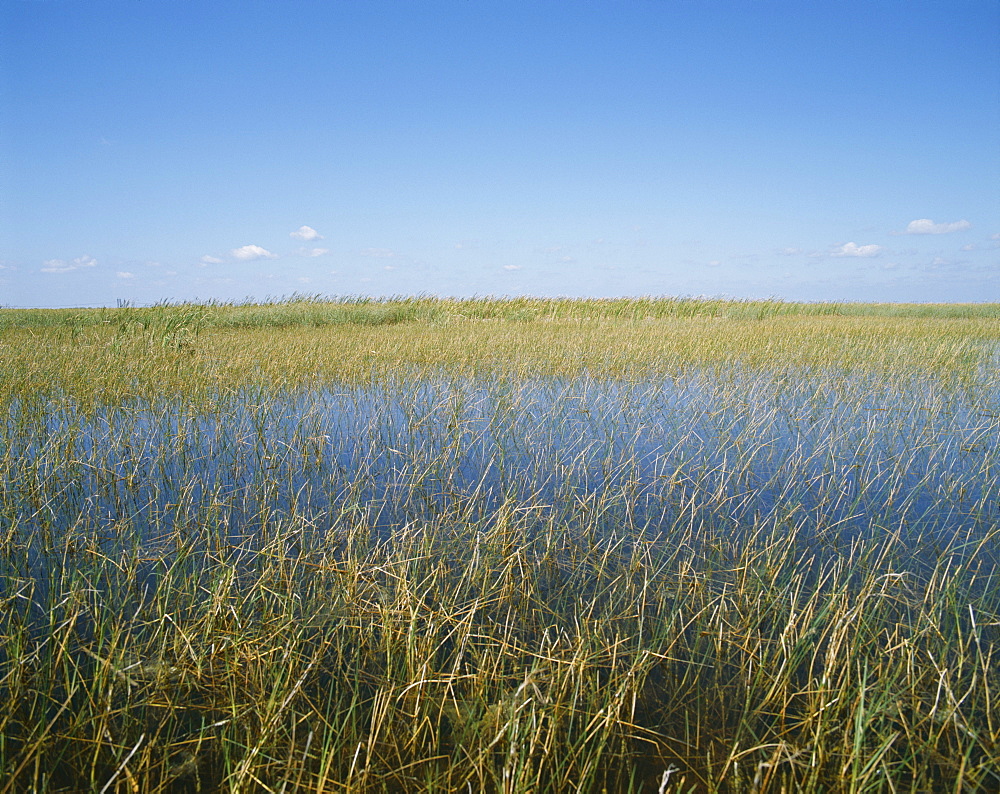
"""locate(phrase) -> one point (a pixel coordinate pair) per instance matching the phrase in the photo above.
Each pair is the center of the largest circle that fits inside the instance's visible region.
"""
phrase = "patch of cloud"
(313, 251)
(927, 226)
(790, 251)
(511, 267)
(250, 252)
(969, 247)
(714, 263)
(125, 274)
(853, 249)
(379, 253)
(306, 233)
(61, 266)
(210, 260)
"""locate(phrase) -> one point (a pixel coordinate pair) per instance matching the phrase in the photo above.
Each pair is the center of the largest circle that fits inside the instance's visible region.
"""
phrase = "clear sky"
(231, 149)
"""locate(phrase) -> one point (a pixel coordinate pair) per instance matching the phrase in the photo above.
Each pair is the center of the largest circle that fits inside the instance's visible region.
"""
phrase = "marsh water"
(843, 456)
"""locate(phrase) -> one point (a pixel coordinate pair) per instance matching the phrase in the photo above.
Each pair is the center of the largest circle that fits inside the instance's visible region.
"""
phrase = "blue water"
(731, 452)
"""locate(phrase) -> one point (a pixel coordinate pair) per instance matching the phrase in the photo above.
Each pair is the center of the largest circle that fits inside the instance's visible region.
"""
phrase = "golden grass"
(549, 547)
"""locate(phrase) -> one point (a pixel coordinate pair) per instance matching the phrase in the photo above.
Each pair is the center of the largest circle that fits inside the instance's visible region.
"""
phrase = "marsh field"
(500, 545)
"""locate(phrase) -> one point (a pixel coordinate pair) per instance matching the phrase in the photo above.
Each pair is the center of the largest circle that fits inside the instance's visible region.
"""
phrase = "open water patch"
(731, 451)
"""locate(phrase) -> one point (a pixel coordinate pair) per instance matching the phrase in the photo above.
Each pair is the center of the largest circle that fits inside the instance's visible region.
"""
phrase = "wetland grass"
(649, 546)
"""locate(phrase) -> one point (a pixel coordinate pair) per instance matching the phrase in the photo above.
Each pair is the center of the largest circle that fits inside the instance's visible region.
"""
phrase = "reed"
(570, 551)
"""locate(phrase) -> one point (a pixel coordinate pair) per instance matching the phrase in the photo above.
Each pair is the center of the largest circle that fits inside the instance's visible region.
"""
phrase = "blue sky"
(173, 150)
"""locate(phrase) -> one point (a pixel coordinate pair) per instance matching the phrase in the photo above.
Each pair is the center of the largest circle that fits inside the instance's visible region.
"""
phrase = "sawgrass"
(571, 551)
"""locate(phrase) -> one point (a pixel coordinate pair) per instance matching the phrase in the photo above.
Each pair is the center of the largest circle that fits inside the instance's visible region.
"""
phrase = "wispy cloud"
(511, 267)
(125, 274)
(927, 226)
(306, 233)
(379, 253)
(61, 266)
(249, 252)
(853, 249)
(210, 260)
(313, 251)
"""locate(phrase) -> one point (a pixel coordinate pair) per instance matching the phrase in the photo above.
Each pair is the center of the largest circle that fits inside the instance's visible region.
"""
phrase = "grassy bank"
(314, 311)
(556, 548)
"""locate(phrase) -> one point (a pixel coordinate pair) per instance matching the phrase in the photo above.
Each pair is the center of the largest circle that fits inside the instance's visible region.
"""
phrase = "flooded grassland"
(527, 551)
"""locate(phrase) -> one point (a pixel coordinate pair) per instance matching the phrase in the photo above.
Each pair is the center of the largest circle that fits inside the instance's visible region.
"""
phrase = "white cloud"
(306, 233)
(248, 252)
(210, 260)
(927, 226)
(61, 266)
(853, 249)
(511, 267)
(790, 251)
(969, 247)
(125, 274)
(378, 253)
(314, 251)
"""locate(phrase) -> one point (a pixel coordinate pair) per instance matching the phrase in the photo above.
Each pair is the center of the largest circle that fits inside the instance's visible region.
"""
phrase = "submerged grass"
(570, 551)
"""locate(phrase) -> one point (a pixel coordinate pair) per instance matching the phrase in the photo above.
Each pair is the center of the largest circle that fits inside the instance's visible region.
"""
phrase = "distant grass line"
(133, 359)
(315, 311)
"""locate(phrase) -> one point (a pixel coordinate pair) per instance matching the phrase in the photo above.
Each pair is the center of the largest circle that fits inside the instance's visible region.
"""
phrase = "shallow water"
(732, 451)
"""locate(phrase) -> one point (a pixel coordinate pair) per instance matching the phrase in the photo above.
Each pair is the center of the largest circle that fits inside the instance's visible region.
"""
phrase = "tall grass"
(317, 310)
(584, 554)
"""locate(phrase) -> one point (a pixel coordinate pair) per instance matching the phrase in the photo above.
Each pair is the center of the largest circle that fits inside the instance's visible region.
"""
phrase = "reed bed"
(653, 553)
